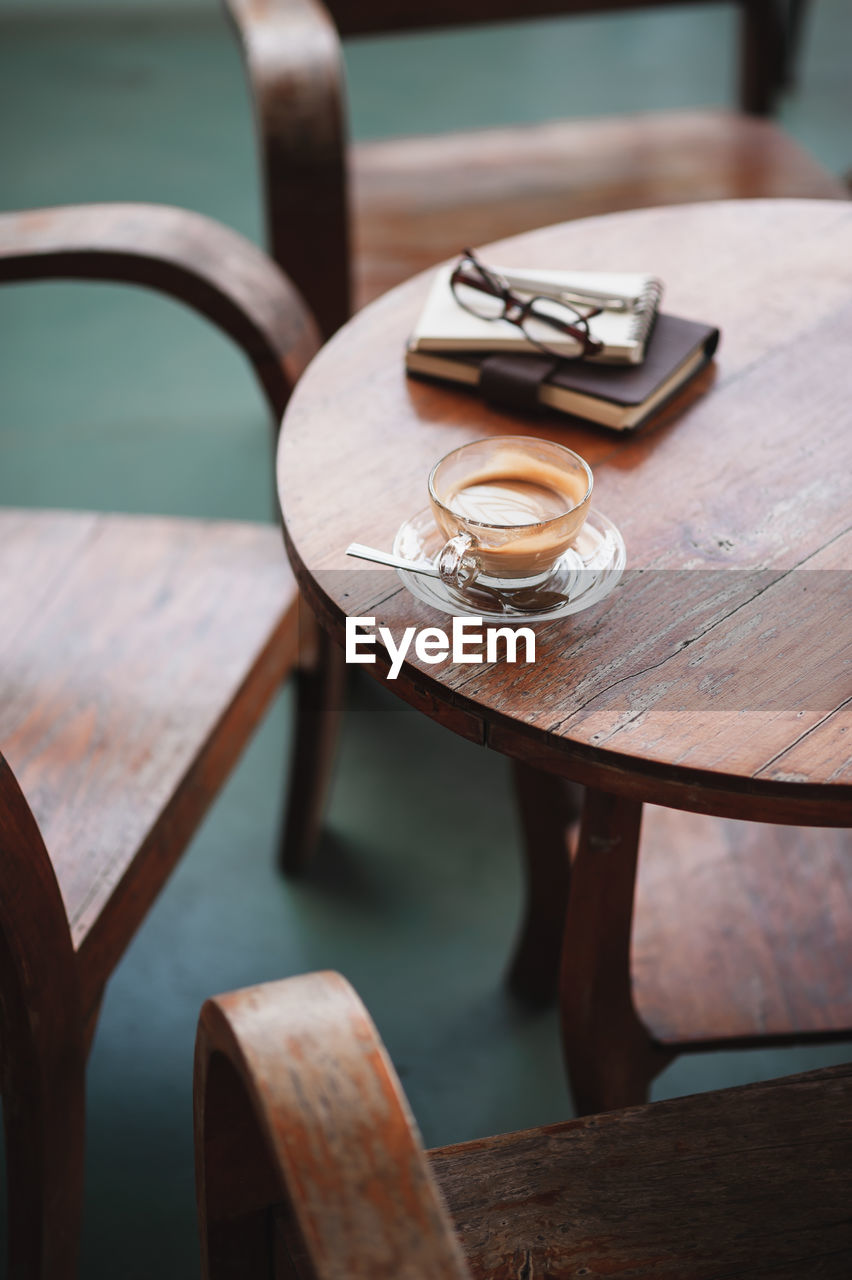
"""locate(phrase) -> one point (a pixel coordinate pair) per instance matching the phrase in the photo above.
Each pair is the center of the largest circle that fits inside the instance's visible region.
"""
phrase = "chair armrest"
(294, 64)
(298, 1105)
(212, 269)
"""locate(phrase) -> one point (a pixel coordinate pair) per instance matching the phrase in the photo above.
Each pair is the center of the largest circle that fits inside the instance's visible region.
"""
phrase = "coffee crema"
(519, 490)
(508, 502)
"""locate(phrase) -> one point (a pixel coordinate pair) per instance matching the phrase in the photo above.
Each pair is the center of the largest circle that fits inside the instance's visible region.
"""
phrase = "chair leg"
(549, 809)
(762, 39)
(320, 685)
(609, 1055)
(44, 1115)
(797, 11)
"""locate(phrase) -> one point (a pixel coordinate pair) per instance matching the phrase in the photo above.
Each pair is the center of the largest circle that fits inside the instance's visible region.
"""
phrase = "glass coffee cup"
(509, 507)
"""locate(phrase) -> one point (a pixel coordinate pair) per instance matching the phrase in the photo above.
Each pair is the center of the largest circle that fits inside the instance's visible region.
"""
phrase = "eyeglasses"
(552, 325)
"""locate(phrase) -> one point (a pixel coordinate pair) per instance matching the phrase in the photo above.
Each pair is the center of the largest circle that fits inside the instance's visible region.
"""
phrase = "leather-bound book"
(622, 397)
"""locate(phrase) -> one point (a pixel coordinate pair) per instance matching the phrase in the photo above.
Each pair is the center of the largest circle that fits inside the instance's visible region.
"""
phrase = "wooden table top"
(717, 676)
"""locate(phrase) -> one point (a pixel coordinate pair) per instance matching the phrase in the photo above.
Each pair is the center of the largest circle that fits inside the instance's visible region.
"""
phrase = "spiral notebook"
(445, 326)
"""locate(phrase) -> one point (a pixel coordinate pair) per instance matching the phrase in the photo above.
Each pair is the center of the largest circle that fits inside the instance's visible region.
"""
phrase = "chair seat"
(417, 201)
(123, 638)
(746, 1182)
(741, 929)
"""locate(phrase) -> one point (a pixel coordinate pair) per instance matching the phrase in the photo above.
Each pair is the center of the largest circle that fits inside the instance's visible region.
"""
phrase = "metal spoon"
(523, 600)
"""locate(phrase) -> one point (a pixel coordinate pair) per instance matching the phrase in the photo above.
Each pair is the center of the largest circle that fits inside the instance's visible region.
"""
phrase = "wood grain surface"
(304, 1139)
(759, 919)
(744, 1183)
(169, 631)
(416, 201)
(716, 677)
(136, 657)
(310, 1167)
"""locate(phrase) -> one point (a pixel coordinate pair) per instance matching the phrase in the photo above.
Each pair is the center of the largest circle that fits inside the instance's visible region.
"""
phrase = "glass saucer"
(584, 575)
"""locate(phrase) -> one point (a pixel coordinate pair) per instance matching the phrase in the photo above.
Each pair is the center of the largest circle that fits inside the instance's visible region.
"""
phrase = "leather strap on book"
(512, 382)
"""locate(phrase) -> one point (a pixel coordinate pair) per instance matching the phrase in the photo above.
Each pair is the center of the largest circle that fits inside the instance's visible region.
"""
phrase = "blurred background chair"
(309, 1165)
(137, 656)
(347, 222)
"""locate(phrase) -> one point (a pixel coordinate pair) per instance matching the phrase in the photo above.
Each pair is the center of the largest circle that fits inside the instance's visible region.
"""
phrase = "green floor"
(114, 399)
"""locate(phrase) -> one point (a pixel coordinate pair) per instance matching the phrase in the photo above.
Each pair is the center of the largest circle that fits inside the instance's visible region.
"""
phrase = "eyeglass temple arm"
(527, 282)
(547, 289)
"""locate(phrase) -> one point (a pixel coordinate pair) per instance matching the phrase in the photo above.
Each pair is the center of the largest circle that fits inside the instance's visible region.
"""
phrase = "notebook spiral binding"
(646, 311)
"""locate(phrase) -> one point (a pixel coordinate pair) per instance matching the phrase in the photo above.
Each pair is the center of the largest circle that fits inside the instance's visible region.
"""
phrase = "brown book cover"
(618, 396)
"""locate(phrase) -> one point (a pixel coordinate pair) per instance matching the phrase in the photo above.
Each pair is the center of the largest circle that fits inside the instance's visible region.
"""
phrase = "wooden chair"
(309, 1165)
(348, 222)
(137, 655)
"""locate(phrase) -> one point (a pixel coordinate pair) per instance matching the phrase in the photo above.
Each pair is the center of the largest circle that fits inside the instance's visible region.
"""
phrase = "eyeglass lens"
(478, 291)
(546, 322)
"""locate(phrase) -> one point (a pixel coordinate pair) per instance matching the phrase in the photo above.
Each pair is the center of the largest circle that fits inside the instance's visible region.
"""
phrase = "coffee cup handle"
(457, 563)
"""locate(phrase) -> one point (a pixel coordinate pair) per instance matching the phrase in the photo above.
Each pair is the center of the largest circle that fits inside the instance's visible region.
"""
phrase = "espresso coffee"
(516, 502)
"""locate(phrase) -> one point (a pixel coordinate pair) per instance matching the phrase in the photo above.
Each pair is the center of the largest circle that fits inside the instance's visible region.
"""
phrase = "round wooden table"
(717, 677)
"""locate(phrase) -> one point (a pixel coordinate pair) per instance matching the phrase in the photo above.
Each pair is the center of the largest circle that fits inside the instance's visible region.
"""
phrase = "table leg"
(609, 1055)
(320, 683)
(550, 810)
